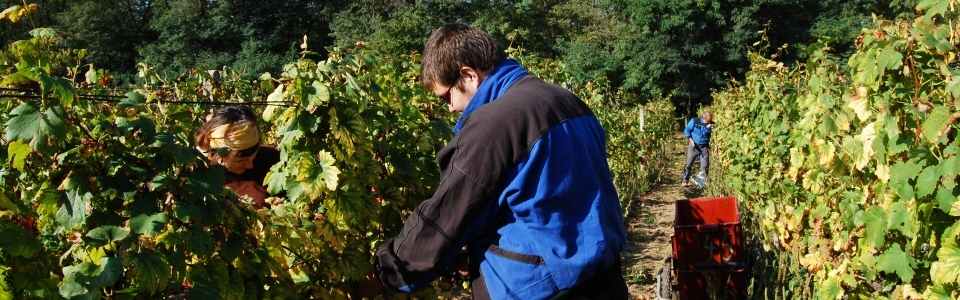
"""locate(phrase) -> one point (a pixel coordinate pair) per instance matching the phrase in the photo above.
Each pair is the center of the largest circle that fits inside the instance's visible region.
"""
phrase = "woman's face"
(234, 162)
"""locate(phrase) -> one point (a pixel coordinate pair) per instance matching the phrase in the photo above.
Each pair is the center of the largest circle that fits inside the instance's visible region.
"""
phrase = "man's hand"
(690, 141)
(369, 287)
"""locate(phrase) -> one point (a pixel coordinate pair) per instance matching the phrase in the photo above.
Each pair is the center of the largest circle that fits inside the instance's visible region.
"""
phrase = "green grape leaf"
(934, 122)
(927, 181)
(904, 171)
(320, 94)
(148, 225)
(937, 292)
(60, 87)
(17, 242)
(44, 32)
(85, 279)
(199, 242)
(108, 272)
(133, 99)
(875, 220)
(276, 179)
(71, 289)
(73, 213)
(150, 272)
(107, 234)
(894, 260)
(946, 270)
(899, 219)
(27, 123)
(933, 7)
(17, 153)
(890, 58)
(830, 289)
(945, 199)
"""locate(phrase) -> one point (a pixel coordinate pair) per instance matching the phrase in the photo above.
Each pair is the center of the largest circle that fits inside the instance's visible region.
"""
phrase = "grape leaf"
(830, 289)
(937, 292)
(148, 225)
(28, 124)
(945, 199)
(133, 99)
(899, 218)
(17, 242)
(107, 234)
(875, 220)
(933, 7)
(329, 171)
(927, 181)
(85, 279)
(894, 260)
(934, 123)
(890, 58)
(150, 272)
(73, 213)
(60, 87)
(17, 154)
(946, 270)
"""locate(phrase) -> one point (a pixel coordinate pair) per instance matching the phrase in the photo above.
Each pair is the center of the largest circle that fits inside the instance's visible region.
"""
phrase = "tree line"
(679, 49)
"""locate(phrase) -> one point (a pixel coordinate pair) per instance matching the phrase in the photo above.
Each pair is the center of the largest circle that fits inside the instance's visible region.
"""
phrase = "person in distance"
(230, 138)
(698, 132)
(525, 185)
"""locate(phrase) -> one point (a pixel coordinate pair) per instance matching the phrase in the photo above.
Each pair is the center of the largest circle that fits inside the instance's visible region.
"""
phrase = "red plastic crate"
(730, 283)
(707, 234)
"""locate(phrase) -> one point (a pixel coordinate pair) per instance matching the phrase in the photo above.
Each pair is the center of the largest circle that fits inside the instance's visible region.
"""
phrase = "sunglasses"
(224, 151)
(446, 95)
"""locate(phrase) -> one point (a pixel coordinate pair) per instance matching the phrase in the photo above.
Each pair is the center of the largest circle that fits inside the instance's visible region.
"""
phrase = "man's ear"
(469, 73)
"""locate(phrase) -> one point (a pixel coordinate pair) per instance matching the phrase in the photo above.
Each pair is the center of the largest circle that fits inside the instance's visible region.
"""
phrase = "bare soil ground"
(649, 227)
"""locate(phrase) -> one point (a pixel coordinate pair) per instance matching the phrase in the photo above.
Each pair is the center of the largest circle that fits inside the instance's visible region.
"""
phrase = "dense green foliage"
(847, 167)
(649, 48)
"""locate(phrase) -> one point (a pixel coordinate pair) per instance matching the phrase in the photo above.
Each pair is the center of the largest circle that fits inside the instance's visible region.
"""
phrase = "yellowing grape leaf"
(827, 153)
(946, 270)
(329, 172)
(883, 173)
(275, 96)
(866, 137)
(17, 154)
(859, 104)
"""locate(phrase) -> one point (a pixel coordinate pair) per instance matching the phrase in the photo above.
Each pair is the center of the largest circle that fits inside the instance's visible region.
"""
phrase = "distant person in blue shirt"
(698, 132)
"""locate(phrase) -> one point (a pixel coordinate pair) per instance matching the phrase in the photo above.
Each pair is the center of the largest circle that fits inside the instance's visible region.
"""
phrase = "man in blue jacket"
(698, 132)
(525, 185)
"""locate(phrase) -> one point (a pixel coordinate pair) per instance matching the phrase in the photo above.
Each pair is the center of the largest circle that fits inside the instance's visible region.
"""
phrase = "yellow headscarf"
(235, 136)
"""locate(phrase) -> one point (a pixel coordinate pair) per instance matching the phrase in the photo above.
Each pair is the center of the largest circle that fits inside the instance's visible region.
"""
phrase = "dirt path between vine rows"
(649, 227)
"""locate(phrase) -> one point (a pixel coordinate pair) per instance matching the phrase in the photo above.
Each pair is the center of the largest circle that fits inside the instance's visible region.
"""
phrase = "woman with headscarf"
(230, 138)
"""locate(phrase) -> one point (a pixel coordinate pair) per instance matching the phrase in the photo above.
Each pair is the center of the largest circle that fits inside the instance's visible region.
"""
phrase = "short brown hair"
(454, 46)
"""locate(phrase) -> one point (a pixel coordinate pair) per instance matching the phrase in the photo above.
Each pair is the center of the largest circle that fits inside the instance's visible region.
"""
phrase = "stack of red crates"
(708, 255)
